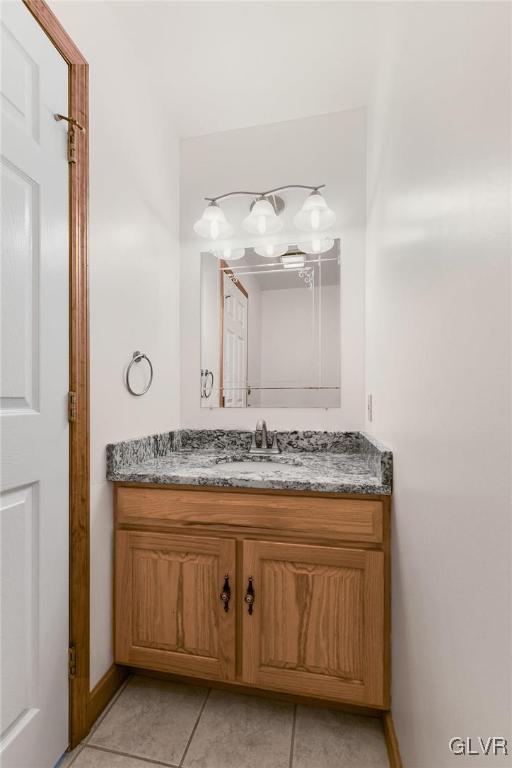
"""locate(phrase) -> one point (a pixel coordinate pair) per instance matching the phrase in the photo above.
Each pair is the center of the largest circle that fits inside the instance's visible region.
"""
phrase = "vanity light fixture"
(213, 223)
(229, 254)
(271, 251)
(263, 219)
(315, 215)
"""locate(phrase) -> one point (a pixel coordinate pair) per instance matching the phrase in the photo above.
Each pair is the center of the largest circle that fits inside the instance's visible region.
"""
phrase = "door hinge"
(73, 126)
(72, 660)
(72, 144)
(71, 406)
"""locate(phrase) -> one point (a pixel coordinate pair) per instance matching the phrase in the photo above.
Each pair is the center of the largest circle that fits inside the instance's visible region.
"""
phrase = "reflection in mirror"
(270, 328)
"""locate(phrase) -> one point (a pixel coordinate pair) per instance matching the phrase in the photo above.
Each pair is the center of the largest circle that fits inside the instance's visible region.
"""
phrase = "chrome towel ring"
(206, 390)
(136, 358)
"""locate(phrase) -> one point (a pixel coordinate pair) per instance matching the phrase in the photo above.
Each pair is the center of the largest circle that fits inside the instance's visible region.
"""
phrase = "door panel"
(20, 289)
(20, 84)
(34, 306)
(316, 602)
(168, 609)
(20, 555)
(317, 626)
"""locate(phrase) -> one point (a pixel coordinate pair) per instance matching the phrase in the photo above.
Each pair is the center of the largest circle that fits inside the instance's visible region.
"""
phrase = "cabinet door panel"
(168, 611)
(317, 626)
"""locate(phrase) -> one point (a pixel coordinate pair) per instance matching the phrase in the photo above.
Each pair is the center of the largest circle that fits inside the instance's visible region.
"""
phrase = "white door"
(235, 345)
(34, 503)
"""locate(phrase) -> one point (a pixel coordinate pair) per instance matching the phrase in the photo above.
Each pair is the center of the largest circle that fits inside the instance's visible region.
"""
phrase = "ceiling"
(226, 65)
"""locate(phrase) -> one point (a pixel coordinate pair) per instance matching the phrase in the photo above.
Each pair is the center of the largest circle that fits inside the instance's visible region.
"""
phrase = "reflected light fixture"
(315, 215)
(229, 254)
(213, 223)
(271, 251)
(317, 245)
(293, 261)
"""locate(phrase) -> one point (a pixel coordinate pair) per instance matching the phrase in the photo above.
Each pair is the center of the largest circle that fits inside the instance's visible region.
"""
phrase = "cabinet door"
(317, 622)
(169, 615)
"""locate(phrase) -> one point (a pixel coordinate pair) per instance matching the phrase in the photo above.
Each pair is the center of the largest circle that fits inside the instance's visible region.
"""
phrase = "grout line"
(194, 728)
(107, 709)
(292, 744)
(128, 754)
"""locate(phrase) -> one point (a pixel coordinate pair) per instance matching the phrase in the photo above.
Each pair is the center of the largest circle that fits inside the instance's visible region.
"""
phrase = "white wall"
(300, 345)
(438, 365)
(254, 338)
(327, 149)
(134, 271)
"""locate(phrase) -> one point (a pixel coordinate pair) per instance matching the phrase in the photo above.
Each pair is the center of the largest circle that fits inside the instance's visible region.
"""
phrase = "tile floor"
(151, 722)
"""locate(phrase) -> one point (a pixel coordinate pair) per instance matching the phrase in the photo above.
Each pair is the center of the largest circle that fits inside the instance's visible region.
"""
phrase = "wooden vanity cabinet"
(317, 625)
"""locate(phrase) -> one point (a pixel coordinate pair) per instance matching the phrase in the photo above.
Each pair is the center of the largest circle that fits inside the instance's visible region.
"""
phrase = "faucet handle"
(259, 425)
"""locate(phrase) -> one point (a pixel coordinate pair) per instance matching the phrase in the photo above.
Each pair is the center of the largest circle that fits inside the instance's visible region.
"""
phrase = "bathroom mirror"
(270, 328)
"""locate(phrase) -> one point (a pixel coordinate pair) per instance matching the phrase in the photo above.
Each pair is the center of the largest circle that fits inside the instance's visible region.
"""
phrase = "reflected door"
(234, 343)
(33, 392)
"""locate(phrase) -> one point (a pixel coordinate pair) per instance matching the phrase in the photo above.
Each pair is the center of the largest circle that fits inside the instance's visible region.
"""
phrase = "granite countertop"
(329, 462)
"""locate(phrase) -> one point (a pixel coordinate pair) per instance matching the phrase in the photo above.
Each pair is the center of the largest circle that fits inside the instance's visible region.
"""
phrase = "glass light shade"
(263, 219)
(317, 245)
(271, 251)
(315, 215)
(229, 254)
(213, 223)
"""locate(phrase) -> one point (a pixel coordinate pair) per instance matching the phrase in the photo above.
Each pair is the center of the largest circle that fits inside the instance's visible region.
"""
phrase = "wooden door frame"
(225, 270)
(79, 557)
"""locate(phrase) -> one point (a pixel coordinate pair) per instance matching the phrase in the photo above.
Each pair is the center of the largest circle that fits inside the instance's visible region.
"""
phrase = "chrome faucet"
(261, 426)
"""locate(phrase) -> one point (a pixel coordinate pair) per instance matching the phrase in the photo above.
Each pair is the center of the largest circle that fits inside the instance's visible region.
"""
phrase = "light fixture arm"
(268, 192)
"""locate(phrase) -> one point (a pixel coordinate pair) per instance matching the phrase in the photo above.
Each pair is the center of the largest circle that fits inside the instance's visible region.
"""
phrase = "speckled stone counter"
(329, 462)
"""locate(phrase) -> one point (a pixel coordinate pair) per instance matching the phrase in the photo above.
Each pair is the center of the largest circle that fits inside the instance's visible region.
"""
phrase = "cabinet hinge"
(72, 660)
(71, 406)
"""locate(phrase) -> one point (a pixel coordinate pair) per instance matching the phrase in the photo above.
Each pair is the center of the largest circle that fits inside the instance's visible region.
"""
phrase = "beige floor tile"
(151, 719)
(96, 758)
(241, 732)
(107, 709)
(326, 738)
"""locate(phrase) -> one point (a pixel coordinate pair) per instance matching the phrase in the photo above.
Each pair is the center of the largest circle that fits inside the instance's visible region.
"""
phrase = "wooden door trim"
(224, 270)
(79, 559)
(395, 760)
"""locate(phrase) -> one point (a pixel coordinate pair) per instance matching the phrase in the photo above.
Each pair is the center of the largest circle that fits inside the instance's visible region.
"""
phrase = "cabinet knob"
(249, 596)
(225, 595)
